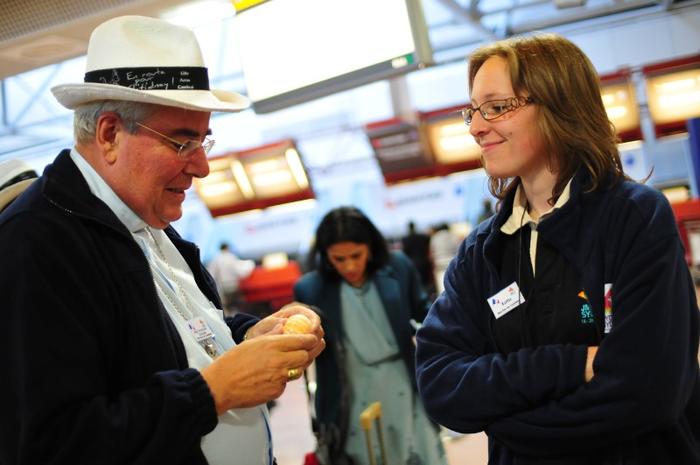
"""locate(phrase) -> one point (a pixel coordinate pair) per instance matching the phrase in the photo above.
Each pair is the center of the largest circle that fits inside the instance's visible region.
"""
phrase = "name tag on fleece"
(506, 300)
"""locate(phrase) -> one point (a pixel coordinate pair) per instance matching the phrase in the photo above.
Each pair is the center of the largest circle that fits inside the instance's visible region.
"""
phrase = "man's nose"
(198, 164)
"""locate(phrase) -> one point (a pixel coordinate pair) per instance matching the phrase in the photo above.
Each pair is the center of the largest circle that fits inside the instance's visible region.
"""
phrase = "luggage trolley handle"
(373, 412)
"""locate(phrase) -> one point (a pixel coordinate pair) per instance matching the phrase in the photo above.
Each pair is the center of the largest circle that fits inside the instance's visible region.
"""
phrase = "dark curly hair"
(347, 224)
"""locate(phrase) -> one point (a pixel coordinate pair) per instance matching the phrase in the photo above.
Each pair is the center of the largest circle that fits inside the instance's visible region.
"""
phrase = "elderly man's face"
(148, 175)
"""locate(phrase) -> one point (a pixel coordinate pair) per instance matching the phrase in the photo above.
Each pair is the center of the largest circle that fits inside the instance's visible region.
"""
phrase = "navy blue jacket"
(94, 371)
(643, 404)
(403, 298)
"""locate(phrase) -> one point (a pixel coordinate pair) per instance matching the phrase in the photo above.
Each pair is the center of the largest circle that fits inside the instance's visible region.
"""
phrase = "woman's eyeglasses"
(493, 109)
(187, 148)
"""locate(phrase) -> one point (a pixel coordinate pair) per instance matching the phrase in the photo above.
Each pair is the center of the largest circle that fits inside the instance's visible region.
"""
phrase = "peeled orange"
(297, 324)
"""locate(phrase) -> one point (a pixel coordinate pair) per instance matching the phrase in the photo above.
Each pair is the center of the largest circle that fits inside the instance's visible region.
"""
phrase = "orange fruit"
(297, 324)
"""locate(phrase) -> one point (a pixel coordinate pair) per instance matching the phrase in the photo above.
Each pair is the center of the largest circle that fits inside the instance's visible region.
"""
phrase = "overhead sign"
(255, 179)
(401, 150)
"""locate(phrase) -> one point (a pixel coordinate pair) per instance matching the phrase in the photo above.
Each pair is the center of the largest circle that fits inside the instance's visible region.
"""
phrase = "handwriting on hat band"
(153, 78)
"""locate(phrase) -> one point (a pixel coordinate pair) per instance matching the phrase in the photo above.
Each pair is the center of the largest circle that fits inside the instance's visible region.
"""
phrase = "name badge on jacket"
(506, 300)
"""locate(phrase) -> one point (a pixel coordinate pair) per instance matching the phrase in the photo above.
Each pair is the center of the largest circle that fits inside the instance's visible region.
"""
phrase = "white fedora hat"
(15, 177)
(148, 60)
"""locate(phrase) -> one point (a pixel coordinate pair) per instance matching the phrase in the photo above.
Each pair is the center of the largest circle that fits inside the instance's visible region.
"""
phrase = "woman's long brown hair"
(565, 87)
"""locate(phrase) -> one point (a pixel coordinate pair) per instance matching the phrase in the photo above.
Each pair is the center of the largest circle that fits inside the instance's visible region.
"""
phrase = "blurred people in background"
(568, 329)
(443, 247)
(416, 245)
(227, 270)
(116, 349)
(15, 177)
(486, 211)
(367, 298)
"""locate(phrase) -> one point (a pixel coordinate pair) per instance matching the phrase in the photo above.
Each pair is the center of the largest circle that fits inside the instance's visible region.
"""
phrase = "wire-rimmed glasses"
(187, 148)
(493, 109)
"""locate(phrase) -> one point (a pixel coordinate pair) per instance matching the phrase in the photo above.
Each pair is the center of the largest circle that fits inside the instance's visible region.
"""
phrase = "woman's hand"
(592, 351)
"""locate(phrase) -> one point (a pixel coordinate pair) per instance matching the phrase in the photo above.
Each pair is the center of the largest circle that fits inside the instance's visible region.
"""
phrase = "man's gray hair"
(85, 116)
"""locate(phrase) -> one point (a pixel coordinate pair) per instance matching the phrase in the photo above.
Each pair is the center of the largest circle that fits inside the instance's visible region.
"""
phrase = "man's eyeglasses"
(495, 108)
(187, 148)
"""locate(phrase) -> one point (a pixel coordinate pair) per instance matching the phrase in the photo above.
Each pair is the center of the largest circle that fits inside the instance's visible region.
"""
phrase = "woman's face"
(350, 261)
(510, 144)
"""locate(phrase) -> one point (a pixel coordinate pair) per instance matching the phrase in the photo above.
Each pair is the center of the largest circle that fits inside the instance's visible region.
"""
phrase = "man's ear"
(108, 130)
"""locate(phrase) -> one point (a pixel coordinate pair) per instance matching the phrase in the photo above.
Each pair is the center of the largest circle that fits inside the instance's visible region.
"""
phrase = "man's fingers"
(318, 349)
(290, 342)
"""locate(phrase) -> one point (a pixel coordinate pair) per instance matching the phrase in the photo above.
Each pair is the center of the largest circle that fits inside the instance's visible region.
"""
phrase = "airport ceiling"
(37, 33)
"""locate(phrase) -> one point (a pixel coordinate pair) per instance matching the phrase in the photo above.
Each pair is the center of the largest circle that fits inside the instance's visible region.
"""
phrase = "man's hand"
(274, 324)
(256, 371)
(316, 328)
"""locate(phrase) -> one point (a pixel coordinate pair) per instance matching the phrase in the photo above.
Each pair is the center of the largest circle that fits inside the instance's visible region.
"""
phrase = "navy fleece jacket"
(643, 404)
(95, 372)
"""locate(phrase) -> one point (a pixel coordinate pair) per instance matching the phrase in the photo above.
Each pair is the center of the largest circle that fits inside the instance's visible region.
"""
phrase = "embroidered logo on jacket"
(586, 311)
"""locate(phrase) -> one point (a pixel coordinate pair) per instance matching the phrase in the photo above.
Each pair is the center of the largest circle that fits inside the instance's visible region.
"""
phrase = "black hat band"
(153, 78)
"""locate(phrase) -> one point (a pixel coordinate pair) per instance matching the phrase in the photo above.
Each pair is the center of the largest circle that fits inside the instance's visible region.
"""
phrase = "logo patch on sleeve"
(608, 307)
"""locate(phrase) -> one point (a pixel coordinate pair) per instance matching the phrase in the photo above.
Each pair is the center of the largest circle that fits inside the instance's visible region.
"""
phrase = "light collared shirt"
(241, 434)
(520, 217)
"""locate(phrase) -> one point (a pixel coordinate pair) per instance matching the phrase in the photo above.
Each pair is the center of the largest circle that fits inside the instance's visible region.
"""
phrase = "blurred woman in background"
(367, 298)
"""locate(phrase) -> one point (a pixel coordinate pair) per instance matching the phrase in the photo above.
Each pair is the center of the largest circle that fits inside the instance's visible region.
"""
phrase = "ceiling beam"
(519, 6)
(469, 16)
(581, 15)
